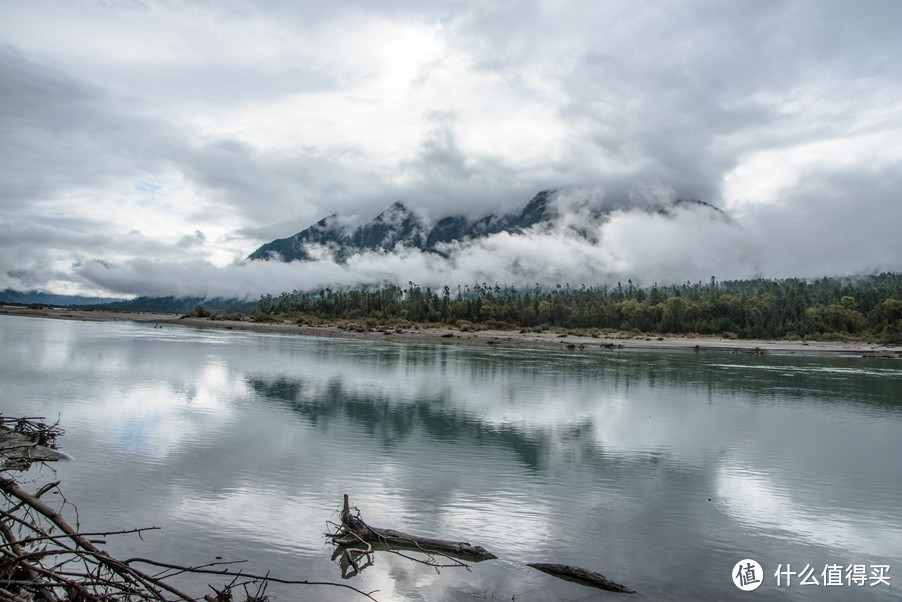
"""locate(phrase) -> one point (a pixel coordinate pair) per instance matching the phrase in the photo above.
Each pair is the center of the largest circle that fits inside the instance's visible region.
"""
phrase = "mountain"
(397, 225)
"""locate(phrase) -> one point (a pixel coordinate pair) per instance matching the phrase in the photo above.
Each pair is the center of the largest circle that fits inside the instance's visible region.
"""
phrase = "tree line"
(867, 307)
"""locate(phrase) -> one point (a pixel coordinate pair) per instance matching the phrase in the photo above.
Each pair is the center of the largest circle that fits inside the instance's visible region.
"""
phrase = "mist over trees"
(866, 307)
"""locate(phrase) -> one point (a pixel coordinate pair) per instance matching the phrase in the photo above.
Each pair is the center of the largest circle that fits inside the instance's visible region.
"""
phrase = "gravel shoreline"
(499, 338)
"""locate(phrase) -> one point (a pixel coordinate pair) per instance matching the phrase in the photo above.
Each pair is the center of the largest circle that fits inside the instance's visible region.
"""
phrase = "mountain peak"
(394, 213)
(397, 226)
(537, 209)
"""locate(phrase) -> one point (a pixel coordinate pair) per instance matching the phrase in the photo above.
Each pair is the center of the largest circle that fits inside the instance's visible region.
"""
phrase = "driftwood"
(354, 540)
(26, 442)
(355, 531)
(581, 576)
(44, 558)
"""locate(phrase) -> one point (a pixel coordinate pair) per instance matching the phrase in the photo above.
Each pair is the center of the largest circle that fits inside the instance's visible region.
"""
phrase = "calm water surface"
(660, 470)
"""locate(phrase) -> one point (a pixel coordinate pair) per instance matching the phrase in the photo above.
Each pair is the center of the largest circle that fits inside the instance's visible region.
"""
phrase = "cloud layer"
(142, 141)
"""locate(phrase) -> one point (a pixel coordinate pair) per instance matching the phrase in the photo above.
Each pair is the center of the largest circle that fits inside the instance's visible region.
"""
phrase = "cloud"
(691, 242)
(249, 123)
(190, 241)
(837, 222)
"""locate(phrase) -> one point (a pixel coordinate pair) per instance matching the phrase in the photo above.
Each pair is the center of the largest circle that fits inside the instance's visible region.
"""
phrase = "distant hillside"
(41, 298)
(398, 226)
(166, 305)
(179, 305)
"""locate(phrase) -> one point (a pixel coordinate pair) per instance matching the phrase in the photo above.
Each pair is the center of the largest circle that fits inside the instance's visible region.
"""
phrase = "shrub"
(199, 312)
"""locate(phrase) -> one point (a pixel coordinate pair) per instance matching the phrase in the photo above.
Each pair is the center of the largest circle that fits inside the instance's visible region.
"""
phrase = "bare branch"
(261, 578)
(44, 558)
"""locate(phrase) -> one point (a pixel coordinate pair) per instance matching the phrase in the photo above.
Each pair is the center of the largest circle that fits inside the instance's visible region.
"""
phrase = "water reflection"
(763, 506)
(606, 460)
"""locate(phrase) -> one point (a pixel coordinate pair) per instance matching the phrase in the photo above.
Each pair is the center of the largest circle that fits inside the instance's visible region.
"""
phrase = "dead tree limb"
(354, 529)
(27, 441)
(130, 575)
(249, 576)
(581, 576)
(43, 558)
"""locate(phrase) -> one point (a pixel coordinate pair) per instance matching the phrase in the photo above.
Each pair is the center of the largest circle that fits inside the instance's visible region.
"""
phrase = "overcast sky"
(147, 146)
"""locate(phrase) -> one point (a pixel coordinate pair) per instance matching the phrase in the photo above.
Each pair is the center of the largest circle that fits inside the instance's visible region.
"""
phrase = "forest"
(863, 307)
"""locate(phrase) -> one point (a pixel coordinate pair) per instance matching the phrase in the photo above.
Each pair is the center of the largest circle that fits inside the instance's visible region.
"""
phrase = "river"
(660, 470)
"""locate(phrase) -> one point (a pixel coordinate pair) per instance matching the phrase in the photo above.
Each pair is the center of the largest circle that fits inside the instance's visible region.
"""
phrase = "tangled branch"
(354, 540)
(44, 558)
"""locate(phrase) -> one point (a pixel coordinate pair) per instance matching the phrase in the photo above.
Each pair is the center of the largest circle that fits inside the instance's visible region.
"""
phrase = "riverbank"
(499, 338)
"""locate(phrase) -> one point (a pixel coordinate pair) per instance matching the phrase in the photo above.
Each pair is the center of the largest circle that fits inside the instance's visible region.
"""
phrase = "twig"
(44, 558)
(58, 538)
(10, 487)
(248, 576)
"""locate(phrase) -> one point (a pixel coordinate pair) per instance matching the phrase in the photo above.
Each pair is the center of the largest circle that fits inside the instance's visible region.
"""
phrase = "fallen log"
(581, 576)
(355, 531)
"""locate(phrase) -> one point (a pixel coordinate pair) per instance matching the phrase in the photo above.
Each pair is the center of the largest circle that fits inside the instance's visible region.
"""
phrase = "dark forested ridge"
(179, 305)
(863, 307)
(39, 297)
